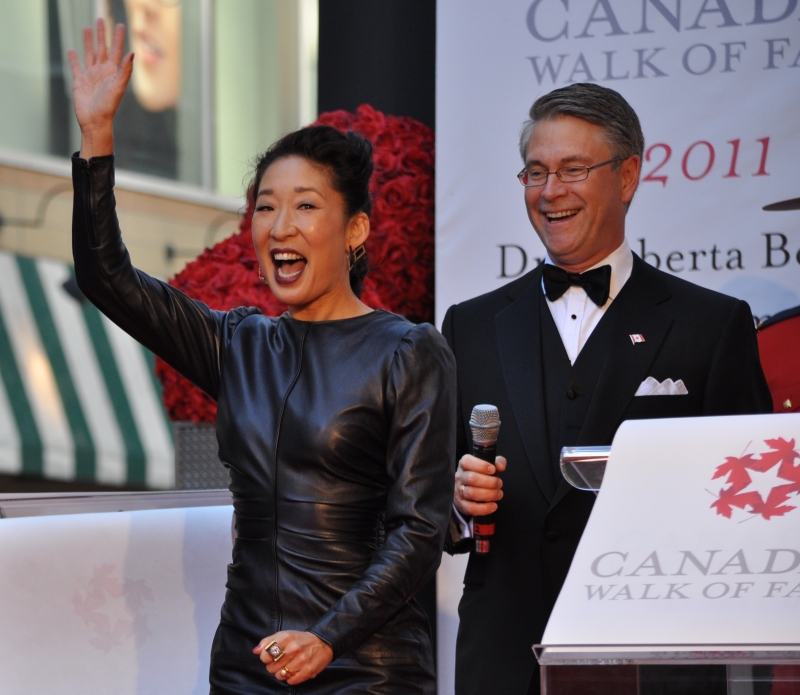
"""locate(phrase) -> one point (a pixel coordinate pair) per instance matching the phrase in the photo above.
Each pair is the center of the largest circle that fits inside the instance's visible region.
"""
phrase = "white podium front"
(692, 552)
(111, 602)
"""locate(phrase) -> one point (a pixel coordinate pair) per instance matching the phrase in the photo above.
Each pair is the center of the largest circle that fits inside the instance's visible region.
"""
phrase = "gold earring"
(354, 256)
(261, 277)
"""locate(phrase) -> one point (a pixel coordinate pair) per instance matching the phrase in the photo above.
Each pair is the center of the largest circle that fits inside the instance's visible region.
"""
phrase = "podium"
(687, 577)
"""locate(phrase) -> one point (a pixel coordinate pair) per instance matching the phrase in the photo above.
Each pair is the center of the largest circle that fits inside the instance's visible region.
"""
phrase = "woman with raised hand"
(337, 422)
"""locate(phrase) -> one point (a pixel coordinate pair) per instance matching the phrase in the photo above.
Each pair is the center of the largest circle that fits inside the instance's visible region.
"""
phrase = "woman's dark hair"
(348, 159)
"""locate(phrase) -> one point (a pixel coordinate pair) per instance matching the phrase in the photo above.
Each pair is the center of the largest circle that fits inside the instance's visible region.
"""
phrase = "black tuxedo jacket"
(702, 337)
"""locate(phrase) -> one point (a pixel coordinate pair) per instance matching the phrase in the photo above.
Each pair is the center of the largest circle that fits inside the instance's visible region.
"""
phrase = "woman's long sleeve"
(420, 450)
(182, 331)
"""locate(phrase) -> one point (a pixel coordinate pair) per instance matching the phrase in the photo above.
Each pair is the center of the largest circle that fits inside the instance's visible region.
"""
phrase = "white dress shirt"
(576, 315)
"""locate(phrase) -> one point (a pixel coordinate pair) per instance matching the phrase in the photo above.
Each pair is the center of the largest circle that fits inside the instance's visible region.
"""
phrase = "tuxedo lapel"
(519, 345)
(634, 311)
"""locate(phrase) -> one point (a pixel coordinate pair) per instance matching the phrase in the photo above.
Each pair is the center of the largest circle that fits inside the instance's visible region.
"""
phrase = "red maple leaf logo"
(739, 491)
(773, 506)
(735, 467)
(786, 454)
(109, 632)
(729, 498)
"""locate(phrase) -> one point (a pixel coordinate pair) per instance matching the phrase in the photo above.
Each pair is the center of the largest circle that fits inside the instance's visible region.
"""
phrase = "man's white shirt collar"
(575, 315)
(621, 262)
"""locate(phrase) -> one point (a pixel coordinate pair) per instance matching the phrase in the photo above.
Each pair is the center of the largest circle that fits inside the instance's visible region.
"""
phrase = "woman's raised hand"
(97, 90)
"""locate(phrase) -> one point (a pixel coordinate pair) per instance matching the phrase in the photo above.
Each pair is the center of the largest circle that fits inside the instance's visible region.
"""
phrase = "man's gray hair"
(592, 103)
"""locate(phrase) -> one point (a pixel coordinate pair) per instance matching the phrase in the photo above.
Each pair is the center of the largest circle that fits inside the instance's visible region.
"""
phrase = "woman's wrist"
(97, 141)
(323, 642)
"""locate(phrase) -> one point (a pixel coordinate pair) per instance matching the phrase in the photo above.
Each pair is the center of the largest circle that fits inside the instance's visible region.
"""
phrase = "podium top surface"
(685, 654)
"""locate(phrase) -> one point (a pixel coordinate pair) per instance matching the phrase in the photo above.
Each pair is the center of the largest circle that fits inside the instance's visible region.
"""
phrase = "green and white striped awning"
(78, 397)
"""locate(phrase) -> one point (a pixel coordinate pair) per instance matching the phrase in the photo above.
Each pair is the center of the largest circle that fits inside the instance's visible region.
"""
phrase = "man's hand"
(478, 489)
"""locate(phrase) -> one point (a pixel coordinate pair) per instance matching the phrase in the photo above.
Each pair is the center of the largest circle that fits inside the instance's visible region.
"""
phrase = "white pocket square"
(668, 387)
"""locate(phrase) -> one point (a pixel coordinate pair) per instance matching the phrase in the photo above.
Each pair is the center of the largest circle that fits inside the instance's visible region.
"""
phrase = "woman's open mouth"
(288, 266)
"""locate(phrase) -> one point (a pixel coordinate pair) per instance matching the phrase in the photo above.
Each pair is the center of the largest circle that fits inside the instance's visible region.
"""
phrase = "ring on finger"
(286, 673)
(461, 489)
(274, 650)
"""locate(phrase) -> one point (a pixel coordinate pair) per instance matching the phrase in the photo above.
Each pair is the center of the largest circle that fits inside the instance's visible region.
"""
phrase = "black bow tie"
(595, 282)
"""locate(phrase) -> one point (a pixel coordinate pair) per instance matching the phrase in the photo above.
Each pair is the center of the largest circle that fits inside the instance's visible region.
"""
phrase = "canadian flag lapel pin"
(636, 338)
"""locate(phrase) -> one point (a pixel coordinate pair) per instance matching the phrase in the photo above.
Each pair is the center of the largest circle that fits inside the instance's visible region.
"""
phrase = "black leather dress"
(340, 437)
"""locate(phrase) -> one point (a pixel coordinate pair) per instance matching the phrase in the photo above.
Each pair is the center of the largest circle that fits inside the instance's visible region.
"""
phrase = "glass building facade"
(214, 82)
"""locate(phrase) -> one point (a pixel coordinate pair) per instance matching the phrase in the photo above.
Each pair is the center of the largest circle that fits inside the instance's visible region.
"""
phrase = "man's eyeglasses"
(537, 176)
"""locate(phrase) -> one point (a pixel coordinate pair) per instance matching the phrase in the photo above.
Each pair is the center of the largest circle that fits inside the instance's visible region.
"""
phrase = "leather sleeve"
(454, 542)
(420, 398)
(182, 331)
(736, 384)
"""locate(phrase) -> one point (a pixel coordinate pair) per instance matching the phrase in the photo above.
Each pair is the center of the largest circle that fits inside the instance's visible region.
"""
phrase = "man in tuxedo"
(563, 353)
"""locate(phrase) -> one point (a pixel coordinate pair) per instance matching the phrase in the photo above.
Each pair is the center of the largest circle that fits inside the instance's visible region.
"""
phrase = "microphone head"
(485, 425)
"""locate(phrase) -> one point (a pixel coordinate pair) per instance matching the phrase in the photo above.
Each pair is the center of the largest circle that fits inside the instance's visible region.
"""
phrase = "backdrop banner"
(716, 84)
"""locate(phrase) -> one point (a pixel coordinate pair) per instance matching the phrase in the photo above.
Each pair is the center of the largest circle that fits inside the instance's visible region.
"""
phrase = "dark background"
(378, 52)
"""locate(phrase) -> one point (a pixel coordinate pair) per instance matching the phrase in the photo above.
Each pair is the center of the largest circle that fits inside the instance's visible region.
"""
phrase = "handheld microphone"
(485, 425)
